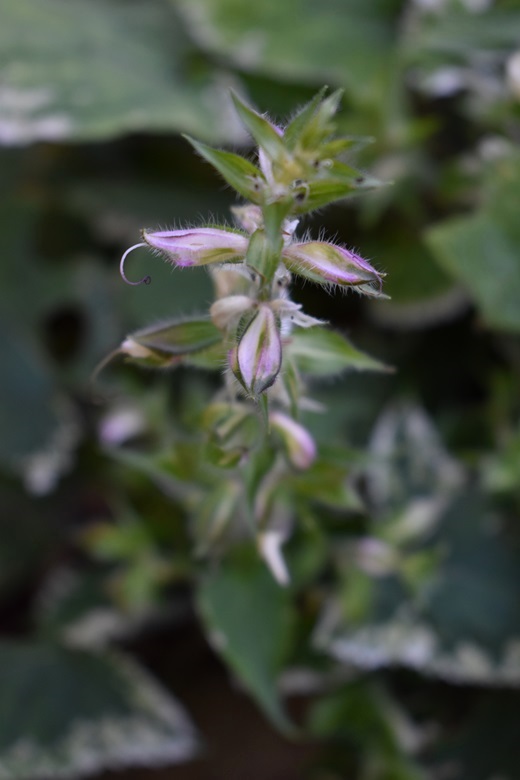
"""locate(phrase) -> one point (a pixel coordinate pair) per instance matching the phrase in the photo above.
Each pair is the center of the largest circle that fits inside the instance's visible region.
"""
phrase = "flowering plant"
(267, 345)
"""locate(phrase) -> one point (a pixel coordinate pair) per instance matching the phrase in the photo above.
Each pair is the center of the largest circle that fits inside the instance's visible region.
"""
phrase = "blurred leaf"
(178, 338)
(241, 174)
(346, 44)
(328, 481)
(481, 250)
(320, 352)
(421, 293)
(29, 537)
(29, 408)
(409, 461)
(65, 713)
(363, 715)
(458, 31)
(463, 626)
(250, 619)
(86, 69)
(480, 255)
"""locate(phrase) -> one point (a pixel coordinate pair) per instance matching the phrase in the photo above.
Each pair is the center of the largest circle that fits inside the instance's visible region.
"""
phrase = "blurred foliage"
(399, 635)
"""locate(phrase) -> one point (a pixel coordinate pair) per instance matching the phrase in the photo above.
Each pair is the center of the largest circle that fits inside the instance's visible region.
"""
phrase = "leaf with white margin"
(94, 70)
(462, 626)
(66, 713)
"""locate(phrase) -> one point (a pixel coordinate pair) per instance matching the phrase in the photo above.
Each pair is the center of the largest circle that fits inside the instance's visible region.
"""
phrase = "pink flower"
(193, 246)
(324, 262)
(257, 359)
(299, 444)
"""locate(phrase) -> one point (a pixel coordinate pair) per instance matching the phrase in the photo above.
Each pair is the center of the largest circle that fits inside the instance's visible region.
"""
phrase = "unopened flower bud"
(195, 246)
(323, 262)
(299, 444)
(257, 359)
(199, 246)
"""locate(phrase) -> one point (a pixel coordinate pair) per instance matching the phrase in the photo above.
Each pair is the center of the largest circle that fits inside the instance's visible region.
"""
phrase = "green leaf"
(322, 353)
(251, 619)
(481, 251)
(179, 337)
(262, 131)
(67, 712)
(94, 69)
(321, 192)
(476, 252)
(463, 625)
(351, 44)
(241, 174)
(420, 292)
(327, 482)
(364, 714)
(298, 124)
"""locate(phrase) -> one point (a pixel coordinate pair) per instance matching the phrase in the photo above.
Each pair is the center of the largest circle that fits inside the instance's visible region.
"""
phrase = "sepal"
(241, 174)
(263, 132)
(171, 342)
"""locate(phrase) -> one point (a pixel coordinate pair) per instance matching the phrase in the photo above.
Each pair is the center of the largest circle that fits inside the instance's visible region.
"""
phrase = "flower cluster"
(253, 324)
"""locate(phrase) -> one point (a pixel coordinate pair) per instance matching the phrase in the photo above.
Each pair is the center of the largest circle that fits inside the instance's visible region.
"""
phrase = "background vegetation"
(395, 652)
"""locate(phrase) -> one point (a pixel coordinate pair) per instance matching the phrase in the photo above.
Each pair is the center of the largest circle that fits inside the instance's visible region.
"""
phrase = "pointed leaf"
(297, 125)
(241, 174)
(180, 337)
(262, 131)
(251, 618)
(321, 192)
(65, 713)
(321, 352)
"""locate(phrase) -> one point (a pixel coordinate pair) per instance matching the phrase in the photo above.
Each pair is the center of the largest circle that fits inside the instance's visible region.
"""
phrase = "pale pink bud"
(299, 444)
(227, 310)
(195, 246)
(198, 246)
(325, 262)
(257, 359)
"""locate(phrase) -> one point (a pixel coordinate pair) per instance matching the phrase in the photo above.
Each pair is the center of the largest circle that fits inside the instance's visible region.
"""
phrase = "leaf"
(421, 293)
(241, 174)
(65, 713)
(250, 620)
(350, 44)
(322, 353)
(481, 250)
(262, 131)
(408, 460)
(364, 714)
(480, 255)
(462, 626)
(94, 69)
(179, 337)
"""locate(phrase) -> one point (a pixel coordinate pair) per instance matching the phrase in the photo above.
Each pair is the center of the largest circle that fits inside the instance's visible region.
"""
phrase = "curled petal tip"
(144, 280)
